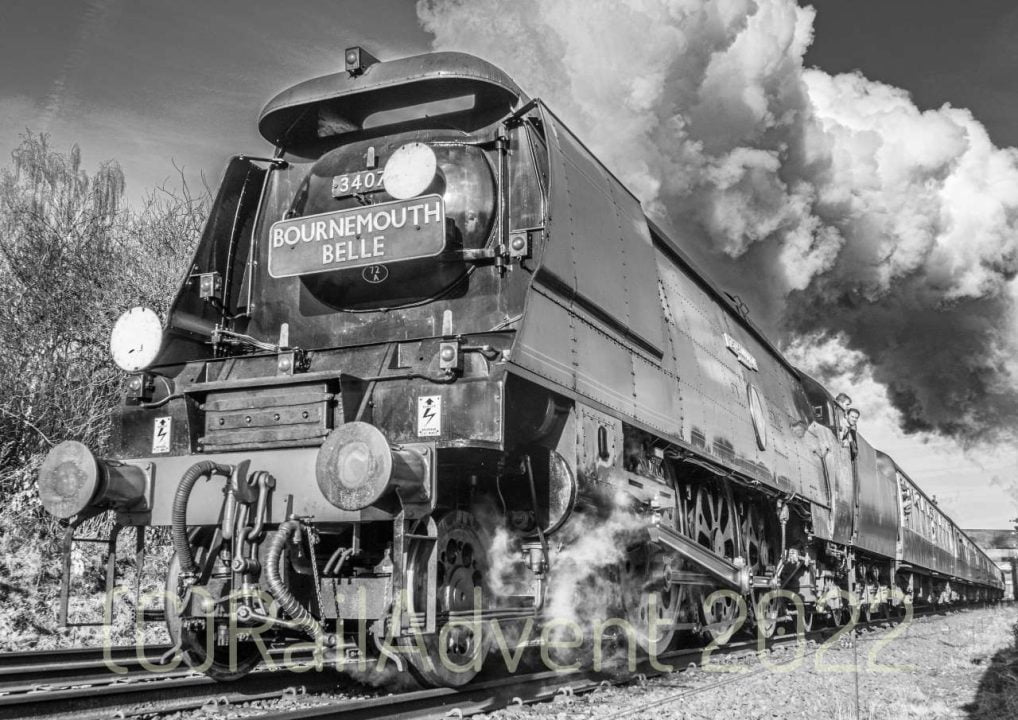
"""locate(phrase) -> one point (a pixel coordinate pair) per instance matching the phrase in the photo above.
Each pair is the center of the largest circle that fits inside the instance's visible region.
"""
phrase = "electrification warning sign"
(161, 435)
(429, 415)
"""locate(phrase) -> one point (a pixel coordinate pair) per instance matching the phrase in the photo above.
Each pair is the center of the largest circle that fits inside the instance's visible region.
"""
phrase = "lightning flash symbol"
(161, 431)
(429, 412)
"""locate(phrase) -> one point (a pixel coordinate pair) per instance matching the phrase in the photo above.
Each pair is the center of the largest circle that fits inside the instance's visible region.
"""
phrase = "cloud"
(844, 212)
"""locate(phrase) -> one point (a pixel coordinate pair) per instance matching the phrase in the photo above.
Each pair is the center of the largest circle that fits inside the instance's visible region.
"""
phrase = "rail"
(148, 694)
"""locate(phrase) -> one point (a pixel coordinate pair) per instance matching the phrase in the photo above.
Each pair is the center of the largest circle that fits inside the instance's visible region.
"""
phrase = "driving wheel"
(651, 603)
(714, 525)
(759, 551)
(452, 655)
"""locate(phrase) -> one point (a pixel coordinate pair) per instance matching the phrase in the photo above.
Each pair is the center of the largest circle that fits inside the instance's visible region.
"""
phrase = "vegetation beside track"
(73, 256)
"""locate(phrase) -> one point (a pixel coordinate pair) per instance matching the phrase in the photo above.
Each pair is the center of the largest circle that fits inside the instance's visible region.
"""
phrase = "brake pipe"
(277, 588)
(178, 521)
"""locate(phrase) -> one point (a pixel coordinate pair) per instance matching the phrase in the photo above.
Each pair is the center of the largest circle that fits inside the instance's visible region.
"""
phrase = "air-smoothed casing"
(618, 316)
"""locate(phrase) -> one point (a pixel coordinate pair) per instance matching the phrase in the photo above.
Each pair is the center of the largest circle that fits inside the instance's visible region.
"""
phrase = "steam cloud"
(585, 556)
(581, 553)
(841, 212)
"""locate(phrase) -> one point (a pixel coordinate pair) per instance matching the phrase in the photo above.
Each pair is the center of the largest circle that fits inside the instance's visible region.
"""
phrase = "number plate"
(358, 237)
(357, 183)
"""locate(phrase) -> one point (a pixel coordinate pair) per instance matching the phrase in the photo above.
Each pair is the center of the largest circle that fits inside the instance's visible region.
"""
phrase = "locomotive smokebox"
(72, 481)
(356, 467)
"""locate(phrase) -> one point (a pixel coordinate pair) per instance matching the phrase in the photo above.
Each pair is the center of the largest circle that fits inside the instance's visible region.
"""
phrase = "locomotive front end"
(322, 414)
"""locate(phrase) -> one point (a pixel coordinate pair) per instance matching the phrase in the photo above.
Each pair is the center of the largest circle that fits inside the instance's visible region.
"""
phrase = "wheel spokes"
(714, 527)
(758, 549)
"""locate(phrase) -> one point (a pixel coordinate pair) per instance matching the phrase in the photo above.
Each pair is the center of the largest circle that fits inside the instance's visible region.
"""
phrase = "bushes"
(73, 256)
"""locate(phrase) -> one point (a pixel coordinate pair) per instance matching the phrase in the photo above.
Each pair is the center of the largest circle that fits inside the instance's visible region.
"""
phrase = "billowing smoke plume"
(833, 205)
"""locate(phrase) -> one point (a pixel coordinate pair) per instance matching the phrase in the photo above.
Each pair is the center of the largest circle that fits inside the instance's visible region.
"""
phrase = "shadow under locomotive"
(997, 695)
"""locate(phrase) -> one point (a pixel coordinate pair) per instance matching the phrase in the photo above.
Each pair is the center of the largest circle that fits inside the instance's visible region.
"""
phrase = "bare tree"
(73, 256)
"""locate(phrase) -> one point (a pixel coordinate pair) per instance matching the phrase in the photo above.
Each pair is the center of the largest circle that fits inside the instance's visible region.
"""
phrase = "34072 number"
(358, 182)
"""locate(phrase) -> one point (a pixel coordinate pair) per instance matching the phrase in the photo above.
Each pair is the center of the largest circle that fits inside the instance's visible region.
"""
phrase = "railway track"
(32, 670)
(82, 683)
(82, 691)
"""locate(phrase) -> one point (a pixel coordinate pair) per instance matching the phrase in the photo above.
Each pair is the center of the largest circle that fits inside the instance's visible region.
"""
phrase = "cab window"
(819, 401)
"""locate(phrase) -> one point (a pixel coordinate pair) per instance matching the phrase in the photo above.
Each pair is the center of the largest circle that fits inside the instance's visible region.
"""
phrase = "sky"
(176, 87)
(166, 85)
(939, 50)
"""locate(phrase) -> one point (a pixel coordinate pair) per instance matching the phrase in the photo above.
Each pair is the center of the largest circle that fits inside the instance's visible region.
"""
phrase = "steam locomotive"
(431, 316)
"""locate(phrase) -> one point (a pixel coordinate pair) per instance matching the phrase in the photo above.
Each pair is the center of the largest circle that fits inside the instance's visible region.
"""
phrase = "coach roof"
(338, 103)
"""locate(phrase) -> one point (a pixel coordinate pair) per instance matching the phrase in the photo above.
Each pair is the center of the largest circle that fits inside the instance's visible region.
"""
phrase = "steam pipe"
(546, 559)
(277, 588)
(178, 521)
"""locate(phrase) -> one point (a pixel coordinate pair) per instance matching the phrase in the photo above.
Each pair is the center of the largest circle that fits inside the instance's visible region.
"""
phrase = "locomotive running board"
(734, 575)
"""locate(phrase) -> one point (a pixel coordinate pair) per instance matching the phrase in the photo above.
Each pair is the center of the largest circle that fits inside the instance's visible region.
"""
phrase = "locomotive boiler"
(432, 316)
